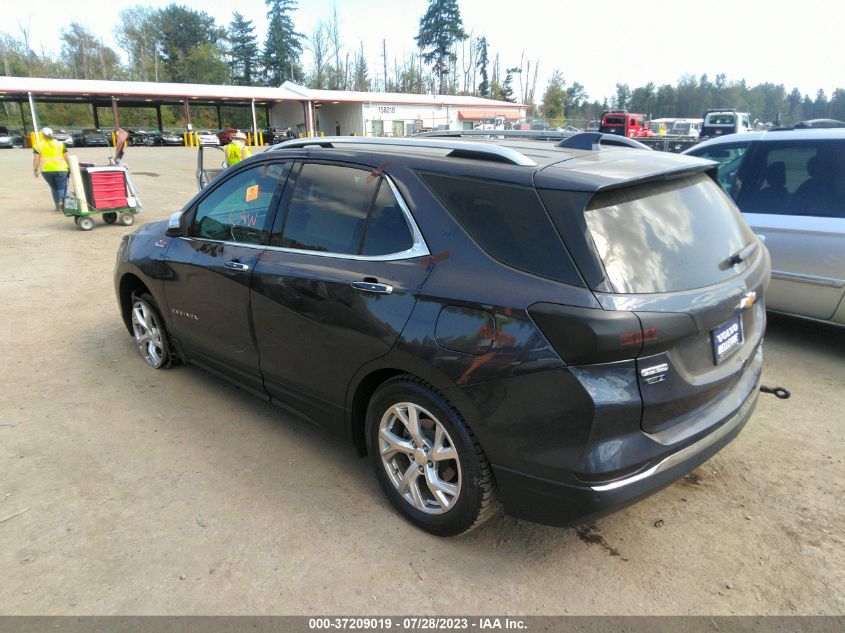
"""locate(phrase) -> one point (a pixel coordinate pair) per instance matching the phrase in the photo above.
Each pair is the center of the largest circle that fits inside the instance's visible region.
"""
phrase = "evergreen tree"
(441, 28)
(554, 99)
(483, 61)
(507, 88)
(623, 96)
(282, 47)
(243, 51)
(360, 76)
(180, 31)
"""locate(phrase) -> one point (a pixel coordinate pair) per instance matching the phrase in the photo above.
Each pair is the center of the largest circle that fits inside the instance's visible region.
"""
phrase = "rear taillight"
(587, 336)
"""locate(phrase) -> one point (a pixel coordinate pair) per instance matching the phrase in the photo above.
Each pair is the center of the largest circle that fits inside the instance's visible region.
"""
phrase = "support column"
(187, 110)
(219, 123)
(23, 119)
(254, 124)
(32, 112)
(158, 118)
(96, 116)
(115, 113)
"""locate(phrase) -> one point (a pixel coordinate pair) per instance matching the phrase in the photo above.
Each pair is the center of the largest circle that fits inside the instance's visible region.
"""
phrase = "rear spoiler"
(605, 171)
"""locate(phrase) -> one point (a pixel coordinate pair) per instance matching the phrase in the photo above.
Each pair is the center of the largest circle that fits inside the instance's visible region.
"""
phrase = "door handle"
(377, 288)
(233, 265)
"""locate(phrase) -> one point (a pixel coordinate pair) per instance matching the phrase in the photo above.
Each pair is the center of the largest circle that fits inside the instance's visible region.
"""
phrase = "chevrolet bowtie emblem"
(748, 300)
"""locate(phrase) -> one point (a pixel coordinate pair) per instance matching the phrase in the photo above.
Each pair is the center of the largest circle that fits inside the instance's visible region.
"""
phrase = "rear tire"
(149, 332)
(126, 219)
(427, 460)
(110, 218)
(86, 222)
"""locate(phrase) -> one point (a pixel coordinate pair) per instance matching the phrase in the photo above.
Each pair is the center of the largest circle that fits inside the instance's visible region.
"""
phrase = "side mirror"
(174, 225)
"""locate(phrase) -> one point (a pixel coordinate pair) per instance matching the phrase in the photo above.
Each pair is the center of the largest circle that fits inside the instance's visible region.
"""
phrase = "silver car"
(790, 187)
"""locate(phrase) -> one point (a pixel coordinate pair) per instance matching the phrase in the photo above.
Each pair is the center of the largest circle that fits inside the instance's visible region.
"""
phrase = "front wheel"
(86, 222)
(126, 219)
(427, 460)
(149, 333)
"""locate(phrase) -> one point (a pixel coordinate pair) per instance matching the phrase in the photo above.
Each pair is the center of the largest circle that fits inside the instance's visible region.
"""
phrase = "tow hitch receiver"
(778, 392)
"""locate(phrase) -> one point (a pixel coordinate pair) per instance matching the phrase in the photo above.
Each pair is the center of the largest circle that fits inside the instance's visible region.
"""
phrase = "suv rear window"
(508, 222)
(666, 236)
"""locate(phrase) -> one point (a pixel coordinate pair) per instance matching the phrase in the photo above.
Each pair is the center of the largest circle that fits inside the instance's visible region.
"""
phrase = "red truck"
(625, 123)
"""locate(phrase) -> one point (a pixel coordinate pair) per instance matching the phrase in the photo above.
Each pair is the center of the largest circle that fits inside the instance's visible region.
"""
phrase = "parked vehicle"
(64, 136)
(90, 138)
(225, 136)
(790, 186)
(167, 138)
(142, 137)
(206, 137)
(816, 123)
(273, 135)
(493, 123)
(567, 359)
(592, 126)
(625, 124)
(720, 122)
(10, 138)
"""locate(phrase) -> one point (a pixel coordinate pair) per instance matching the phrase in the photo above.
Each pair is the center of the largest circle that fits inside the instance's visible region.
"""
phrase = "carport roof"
(135, 90)
(46, 89)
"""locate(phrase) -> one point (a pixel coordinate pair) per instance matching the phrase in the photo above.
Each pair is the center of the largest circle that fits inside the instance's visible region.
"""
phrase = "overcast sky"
(595, 43)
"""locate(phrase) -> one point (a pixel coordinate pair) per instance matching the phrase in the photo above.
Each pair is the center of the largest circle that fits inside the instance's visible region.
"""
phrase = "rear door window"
(795, 178)
(508, 222)
(668, 236)
(729, 157)
(341, 210)
(329, 208)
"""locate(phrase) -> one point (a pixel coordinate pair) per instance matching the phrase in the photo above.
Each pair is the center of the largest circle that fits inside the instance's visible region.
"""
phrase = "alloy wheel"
(420, 458)
(148, 334)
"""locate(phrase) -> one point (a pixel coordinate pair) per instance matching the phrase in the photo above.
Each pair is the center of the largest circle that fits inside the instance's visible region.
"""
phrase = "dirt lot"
(170, 492)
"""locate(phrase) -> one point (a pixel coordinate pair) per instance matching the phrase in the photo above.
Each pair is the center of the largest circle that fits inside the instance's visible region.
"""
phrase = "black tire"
(476, 500)
(110, 218)
(161, 357)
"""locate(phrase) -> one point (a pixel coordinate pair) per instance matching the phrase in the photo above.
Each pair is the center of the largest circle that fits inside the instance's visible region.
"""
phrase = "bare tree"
(318, 44)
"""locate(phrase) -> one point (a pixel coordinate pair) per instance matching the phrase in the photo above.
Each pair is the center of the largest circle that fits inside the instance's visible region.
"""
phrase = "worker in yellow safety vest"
(237, 150)
(50, 158)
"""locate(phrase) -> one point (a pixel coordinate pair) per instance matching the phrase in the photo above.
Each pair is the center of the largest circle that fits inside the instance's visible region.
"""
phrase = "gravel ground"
(129, 491)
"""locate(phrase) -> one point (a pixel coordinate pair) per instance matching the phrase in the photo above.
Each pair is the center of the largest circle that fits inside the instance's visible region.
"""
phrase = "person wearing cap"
(50, 158)
(237, 150)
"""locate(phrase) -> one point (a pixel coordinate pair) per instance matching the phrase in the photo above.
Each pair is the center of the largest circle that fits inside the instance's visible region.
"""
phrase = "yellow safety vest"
(52, 155)
(236, 152)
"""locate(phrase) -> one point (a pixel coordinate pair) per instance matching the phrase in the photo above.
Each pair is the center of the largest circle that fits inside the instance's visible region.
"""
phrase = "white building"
(340, 112)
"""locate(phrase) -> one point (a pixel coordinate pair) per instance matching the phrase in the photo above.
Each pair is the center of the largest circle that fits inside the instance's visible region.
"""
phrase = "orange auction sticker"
(252, 193)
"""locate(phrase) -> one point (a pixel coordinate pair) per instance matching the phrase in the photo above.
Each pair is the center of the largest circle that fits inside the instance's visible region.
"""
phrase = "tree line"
(181, 44)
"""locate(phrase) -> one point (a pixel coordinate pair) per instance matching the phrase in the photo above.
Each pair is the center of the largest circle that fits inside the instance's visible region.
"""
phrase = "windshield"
(614, 120)
(668, 236)
(721, 119)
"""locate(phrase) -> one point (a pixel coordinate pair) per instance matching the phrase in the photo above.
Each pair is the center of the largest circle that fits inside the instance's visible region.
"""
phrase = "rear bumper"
(556, 503)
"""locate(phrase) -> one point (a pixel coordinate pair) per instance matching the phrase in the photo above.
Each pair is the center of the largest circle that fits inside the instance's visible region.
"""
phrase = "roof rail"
(563, 136)
(539, 135)
(462, 149)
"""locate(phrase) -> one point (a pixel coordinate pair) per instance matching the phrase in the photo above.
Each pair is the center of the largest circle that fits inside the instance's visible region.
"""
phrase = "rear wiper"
(741, 255)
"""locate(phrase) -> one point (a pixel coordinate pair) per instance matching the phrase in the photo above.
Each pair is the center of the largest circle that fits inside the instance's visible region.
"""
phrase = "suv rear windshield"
(720, 119)
(614, 120)
(666, 236)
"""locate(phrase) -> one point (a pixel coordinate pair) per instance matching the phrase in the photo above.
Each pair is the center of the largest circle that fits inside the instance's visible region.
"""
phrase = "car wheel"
(86, 222)
(149, 332)
(126, 219)
(427, 460)
(110, 218)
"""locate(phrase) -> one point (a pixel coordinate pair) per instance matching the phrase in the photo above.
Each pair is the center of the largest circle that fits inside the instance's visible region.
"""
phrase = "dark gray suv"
(559, 328)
